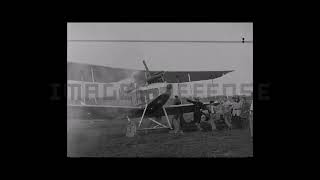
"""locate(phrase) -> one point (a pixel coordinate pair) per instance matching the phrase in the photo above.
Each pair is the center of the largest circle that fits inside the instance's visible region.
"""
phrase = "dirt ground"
(106, 138)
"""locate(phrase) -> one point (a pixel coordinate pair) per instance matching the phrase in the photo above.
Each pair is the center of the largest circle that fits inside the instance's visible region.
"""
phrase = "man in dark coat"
(176, 121)
(197, 111)
(236, 112)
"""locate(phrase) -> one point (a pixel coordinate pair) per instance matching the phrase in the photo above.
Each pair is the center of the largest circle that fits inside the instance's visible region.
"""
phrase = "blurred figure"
(197, 111)
(251, 118)
(217, 114)
(211, 111)
(176, 121)
(131, 128)
(245, 108)
(227, 112)
(236, 111)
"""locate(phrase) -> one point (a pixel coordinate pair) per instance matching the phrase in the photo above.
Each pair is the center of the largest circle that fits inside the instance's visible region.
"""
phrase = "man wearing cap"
(236, 110)
(216, 111)
(197, 111)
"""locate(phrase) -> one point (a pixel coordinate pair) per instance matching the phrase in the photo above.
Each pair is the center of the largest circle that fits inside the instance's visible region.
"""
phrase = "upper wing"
(101, 111)
(102, 74)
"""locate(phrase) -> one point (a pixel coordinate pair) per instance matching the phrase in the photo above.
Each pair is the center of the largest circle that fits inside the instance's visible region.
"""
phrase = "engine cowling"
(158, 77)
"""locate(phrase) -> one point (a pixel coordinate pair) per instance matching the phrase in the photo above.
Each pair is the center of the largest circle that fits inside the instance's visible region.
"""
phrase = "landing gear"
(158, 124)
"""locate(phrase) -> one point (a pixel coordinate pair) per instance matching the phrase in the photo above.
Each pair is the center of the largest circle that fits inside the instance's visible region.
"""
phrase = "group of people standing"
(221, 110)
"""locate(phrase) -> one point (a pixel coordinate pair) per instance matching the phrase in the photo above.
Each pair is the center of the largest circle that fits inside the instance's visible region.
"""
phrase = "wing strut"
(165, 112)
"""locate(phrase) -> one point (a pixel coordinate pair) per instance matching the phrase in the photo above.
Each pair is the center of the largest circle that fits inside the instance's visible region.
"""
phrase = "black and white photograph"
(160, 89)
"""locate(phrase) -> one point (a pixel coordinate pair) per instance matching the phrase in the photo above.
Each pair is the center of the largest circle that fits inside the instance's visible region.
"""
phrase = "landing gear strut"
(158, 124)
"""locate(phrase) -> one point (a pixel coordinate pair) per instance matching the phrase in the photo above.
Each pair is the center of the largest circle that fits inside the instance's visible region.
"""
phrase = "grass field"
(106, 138)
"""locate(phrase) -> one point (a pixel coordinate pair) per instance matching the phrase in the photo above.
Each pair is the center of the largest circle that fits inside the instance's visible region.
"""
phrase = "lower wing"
(109, 111)
(102, 111)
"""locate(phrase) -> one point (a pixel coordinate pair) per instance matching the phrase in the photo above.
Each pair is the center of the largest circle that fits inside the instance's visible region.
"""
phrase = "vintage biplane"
(149, 109)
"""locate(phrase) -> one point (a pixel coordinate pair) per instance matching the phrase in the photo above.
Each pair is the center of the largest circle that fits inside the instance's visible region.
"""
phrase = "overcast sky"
(163, 56)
